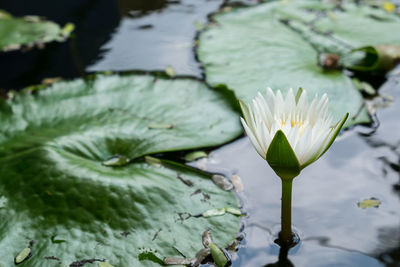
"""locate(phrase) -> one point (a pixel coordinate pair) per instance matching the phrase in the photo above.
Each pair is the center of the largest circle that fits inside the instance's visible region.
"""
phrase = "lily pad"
(278, 44)
(53, 144)
(29, 31)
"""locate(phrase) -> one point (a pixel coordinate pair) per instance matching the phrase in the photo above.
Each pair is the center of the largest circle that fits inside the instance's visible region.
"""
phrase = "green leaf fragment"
(195, 155)
(218, 256)
(23, 255)
(369, 203)
(214, 212)
(161, 126)
(67, 29)
(104, 264)
(170, 71)
(281, 157)
(116, 161)
(221, 211)
(233, 211)
(364, 86)
(155, 162)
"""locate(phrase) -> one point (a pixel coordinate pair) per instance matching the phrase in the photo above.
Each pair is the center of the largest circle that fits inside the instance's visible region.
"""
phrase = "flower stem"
(286, 235)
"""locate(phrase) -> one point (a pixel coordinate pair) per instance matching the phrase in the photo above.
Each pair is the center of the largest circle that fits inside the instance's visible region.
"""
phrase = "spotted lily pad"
(278, 45)
(55, 185)
(29, 31)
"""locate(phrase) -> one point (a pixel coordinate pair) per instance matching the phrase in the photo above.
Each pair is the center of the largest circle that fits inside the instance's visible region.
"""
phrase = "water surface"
(362, 163)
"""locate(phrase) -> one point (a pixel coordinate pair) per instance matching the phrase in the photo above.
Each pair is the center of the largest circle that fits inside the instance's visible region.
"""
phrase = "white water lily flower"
(290, 133)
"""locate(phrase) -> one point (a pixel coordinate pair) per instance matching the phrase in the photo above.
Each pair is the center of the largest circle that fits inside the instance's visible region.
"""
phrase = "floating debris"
(222, 182)
(221, 211)
(237, 183)
(153, 161)
(116, 161)
(369, 203)
(161, 126)
(192, 156)
(25, 254)
(104, 264)
(170, 71)
(214, 212)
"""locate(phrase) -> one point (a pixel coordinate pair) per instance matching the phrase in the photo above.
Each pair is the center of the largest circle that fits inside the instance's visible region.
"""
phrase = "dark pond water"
(362, 164)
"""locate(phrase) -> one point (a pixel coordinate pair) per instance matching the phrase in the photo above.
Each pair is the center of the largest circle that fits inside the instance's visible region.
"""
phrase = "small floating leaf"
(170, 71)
(104, 264)
(155, 162)
(116, 161)
(369, 203)
(233, 211)
(25, 254)
(218, 256)
(192, 156)
(214, 212)
(364, 86)
(161, 126)
(222, 182)
(68, 28)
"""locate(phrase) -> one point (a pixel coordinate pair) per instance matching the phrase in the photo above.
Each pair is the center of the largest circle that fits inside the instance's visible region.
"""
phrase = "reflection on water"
(151, 35)
(160, 39)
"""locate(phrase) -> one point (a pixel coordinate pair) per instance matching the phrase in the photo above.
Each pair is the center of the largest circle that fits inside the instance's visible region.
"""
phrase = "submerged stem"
(286, 235)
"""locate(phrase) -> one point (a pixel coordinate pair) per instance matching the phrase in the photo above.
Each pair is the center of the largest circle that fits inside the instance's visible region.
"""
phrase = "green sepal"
(298, 94)
(245, 109)
(281, 157)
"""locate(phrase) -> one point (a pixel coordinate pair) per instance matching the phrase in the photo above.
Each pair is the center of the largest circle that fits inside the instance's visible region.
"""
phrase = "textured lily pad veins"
(279, 45)
(56, 189)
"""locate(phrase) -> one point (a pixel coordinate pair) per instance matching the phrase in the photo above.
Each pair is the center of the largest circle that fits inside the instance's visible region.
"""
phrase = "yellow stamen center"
(298, 123)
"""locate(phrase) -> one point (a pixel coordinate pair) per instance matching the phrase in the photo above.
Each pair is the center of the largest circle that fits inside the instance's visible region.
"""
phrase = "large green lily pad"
(278, 45)
(29, 31)
(55, 189)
